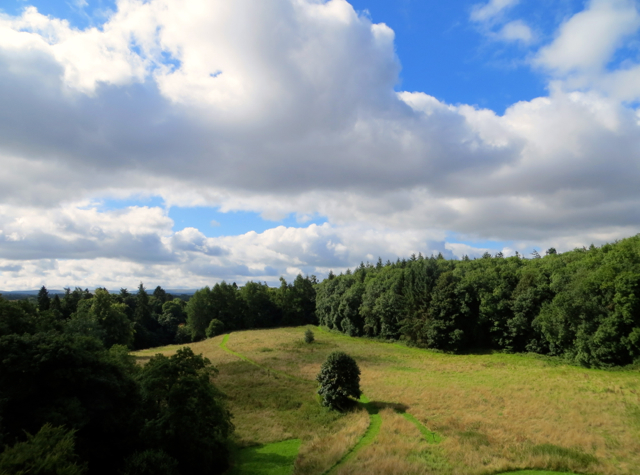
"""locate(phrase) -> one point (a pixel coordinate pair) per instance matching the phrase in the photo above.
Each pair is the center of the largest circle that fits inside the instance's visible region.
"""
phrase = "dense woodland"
(583, 305)
(72, 400)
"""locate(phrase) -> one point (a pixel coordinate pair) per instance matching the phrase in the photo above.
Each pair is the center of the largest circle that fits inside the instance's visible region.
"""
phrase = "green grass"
(269, 459)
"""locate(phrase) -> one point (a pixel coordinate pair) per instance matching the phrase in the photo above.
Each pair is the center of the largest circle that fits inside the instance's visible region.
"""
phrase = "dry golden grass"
(399, 449)
(325, 450)
(496, 411)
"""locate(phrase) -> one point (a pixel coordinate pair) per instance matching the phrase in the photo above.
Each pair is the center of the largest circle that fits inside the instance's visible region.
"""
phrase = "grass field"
(490, 413)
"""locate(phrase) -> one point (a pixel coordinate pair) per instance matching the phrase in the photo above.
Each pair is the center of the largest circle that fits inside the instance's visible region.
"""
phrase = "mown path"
(375, 422)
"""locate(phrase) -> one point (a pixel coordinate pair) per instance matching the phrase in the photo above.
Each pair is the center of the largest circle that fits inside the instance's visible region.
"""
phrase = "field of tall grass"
(494, 413)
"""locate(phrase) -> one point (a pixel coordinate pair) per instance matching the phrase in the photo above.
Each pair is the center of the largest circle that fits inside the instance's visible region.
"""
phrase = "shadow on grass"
(269, 459)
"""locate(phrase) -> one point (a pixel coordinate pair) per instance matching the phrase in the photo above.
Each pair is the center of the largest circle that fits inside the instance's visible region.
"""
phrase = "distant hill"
(25, 294)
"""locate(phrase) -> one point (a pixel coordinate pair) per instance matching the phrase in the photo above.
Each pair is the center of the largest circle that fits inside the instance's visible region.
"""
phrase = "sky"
(185, 142)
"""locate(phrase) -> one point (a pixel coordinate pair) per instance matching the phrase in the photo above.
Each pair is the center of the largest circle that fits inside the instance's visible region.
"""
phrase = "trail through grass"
(372, 410)
(368, 437)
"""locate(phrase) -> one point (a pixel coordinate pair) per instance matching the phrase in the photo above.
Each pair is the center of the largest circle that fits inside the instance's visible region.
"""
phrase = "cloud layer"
(288, 106)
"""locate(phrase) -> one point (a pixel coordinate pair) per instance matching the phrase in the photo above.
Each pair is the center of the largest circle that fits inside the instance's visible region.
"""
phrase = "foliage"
(583, 305)
(122, 416)
(43, 299)
(150, 462)
(49, 452)
(215, 328)
(185, 415)
(339, 379)
(253, 305)
(308, 336)
(69, 380)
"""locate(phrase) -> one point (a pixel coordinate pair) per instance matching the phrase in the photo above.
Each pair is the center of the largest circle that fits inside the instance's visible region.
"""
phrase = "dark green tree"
(71, 381)
(185, 413)
(199, 313)
(43, 299)
(339, 379)
(308, 336)
(118, 330)
(215, 328)
(151, 462)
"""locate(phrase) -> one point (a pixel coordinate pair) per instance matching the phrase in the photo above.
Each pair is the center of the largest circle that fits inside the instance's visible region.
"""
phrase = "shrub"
(183, 335)
(339, 379)
(215, 328)
(151, 462)
(50, 451)
(308, 336)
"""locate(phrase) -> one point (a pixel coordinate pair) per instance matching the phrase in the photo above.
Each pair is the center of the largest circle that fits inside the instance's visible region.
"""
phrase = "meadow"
(424, 413)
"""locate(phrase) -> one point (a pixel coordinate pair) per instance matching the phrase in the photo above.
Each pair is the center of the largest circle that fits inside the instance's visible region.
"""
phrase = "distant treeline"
(583, 305)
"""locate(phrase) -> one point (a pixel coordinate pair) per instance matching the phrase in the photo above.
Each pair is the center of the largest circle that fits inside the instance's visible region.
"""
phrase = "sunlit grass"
(495, 412)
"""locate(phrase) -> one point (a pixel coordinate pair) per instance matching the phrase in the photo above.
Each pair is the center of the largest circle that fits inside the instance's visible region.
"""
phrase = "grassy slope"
(495, 412)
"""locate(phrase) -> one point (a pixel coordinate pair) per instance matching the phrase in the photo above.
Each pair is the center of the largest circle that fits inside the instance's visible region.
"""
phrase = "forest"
(73, 401)
(582, 305)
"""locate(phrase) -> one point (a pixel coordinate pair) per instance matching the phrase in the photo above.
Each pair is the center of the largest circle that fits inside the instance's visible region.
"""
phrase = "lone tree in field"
(308, 336)
(339, 379)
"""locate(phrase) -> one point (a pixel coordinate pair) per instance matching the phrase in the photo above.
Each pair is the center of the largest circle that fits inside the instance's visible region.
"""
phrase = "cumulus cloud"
(587, 40)
(121, 247)
(582, 56)
(288, 106)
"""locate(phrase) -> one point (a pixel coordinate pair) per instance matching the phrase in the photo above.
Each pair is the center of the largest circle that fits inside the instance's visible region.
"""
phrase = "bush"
(50, 452)
(339, 379)
(151, 462)
(215, 328)
(308, 336)
(183, 335)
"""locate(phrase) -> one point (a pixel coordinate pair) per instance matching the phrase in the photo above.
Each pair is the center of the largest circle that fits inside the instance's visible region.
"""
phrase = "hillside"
(488, 413)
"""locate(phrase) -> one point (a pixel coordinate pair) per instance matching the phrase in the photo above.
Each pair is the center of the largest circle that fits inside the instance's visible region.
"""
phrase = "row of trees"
(583, 305)
(227, 307)
(71, 404)
(142, 321)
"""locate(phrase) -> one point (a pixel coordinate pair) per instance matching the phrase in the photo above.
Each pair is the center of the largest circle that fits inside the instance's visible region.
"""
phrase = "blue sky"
(144, 140)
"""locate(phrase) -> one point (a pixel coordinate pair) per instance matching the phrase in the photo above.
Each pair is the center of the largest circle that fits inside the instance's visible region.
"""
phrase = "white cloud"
(516, 30)
(288, 106)
(490, 10)
(588, 39)
(492, 21)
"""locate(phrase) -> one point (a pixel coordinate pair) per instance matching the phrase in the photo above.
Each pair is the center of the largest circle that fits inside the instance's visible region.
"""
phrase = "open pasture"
(494, 413)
